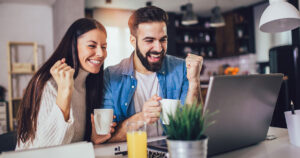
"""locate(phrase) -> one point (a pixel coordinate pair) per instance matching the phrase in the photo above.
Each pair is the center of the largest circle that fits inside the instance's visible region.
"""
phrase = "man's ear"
(133, 41)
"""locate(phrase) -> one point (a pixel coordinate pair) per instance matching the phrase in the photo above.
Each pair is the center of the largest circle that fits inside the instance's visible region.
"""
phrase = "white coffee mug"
(169, 106)
(103, 119)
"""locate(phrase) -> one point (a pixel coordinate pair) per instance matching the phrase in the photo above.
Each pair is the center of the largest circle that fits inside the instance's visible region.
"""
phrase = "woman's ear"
(133, 41)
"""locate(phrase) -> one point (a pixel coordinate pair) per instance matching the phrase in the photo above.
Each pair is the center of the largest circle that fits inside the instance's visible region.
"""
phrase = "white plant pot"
(187, 149)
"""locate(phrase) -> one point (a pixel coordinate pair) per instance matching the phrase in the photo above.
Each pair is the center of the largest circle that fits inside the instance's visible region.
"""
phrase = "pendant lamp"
(189, 17)
(217, 19)
(279, 16)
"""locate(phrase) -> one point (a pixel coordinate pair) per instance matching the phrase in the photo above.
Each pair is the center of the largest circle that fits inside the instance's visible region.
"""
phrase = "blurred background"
(224, 32)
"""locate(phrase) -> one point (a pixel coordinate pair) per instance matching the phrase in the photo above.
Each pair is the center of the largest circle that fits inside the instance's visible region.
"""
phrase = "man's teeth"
(155, 56)
(95, 61)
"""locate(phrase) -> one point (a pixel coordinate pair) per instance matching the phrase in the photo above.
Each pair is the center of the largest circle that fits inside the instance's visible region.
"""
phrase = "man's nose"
(157, 46)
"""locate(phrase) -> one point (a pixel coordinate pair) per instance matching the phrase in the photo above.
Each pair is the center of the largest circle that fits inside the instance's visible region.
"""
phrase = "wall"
(22, 22)
(246, 64)
(43, 23)
(65, 12)
(116, 24)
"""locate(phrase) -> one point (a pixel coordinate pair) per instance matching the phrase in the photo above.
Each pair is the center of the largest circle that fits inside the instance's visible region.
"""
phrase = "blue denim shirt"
(120, 85)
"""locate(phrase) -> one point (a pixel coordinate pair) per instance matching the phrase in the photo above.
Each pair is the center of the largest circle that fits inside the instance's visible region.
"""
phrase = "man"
(134, 87)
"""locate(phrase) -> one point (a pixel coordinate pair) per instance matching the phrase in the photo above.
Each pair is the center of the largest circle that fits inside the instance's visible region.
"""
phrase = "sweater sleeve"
(52, 129)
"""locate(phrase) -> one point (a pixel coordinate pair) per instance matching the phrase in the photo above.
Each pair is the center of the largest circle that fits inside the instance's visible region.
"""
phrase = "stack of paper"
(110, 149)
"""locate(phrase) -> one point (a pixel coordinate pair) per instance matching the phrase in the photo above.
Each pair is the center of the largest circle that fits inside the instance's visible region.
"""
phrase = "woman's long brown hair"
(30, 104)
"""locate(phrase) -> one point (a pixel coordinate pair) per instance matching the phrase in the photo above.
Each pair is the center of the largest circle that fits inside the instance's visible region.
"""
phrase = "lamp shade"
(189, 17)
(217, 19)
(279, 16)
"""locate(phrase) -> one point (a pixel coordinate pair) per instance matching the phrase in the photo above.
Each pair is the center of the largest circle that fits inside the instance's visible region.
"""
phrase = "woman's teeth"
(95, 61)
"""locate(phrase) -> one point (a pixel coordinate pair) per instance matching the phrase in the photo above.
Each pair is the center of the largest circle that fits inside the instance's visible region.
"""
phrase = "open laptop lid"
(245, 106)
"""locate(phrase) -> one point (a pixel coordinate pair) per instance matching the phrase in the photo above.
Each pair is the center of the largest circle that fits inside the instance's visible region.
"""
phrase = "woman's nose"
(99, 52)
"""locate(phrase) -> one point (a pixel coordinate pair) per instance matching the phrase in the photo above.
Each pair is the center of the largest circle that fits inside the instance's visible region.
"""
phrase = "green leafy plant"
(188, 123)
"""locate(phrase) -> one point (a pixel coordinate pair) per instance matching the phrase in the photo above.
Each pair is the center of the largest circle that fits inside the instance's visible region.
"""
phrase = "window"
(119, 46)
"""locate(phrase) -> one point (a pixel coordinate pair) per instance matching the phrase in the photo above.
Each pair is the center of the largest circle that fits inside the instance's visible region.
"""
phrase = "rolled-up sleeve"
(108, 102)
(185, 86)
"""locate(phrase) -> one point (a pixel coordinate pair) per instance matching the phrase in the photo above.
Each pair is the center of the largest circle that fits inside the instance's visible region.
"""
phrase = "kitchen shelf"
(17, 99)
(196, 39)
(21, 43)
(195, 43)
(13, 102)
(22, 73)
(243, 38)
(239, 33)
(195, 28)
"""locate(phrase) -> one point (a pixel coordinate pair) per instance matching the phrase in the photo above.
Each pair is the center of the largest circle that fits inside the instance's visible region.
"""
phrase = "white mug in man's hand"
(103, 119)
(169, 107)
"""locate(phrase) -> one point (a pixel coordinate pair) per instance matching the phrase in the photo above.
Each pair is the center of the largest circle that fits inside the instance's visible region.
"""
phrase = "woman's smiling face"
(91, 48)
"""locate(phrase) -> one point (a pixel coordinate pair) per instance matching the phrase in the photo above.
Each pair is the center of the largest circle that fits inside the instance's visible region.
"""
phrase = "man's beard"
(154, 67)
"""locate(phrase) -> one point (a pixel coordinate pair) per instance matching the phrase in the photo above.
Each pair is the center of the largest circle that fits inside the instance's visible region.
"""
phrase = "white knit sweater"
(52, 129)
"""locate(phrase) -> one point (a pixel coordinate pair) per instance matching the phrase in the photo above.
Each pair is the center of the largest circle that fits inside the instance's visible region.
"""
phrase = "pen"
(293, 108)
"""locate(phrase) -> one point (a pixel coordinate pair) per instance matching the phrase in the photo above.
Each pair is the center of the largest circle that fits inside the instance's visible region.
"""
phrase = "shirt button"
(132, 86)
(163, 72)
(125, 104)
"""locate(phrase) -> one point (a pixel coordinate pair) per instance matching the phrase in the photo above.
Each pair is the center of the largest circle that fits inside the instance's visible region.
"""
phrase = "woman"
(58, 101)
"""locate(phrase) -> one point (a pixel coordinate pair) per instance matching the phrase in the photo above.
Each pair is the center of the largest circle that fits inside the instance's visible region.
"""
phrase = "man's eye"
(149, 41)
(163, 40)
(92, 46)
(103, 47)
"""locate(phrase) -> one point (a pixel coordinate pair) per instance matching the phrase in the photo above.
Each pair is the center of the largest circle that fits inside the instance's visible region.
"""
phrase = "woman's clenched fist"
(63, 74)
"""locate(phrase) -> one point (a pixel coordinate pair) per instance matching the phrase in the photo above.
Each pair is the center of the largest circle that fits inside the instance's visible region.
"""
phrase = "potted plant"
(185, 132)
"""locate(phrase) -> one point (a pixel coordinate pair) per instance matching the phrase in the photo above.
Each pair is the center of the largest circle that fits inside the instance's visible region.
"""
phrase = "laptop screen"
(244, 106)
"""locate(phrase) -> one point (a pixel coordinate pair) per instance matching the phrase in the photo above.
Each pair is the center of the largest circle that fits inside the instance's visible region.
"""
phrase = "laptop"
(245, 105)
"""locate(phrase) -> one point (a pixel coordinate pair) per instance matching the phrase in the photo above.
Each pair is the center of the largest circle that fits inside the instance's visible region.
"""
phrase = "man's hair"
(144, 15)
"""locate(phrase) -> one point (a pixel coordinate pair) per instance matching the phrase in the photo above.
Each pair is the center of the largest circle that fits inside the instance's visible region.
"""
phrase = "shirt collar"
(128, 66)
(163, 66)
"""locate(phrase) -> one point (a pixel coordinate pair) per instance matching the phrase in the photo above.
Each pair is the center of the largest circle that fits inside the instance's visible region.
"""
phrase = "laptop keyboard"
(156, 154)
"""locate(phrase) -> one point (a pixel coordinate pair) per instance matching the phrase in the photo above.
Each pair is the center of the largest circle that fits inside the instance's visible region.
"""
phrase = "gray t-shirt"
(147, 86)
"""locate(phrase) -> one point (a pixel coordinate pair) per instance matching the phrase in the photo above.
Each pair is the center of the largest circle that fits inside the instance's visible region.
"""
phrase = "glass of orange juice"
(136, 139)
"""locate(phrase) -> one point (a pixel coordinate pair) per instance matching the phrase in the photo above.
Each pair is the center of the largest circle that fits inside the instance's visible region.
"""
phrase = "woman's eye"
(92, 46)
(103, 47)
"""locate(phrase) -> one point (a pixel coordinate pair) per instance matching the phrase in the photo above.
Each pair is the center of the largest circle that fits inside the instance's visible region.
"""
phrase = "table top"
(107, 150)
(276, 148)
